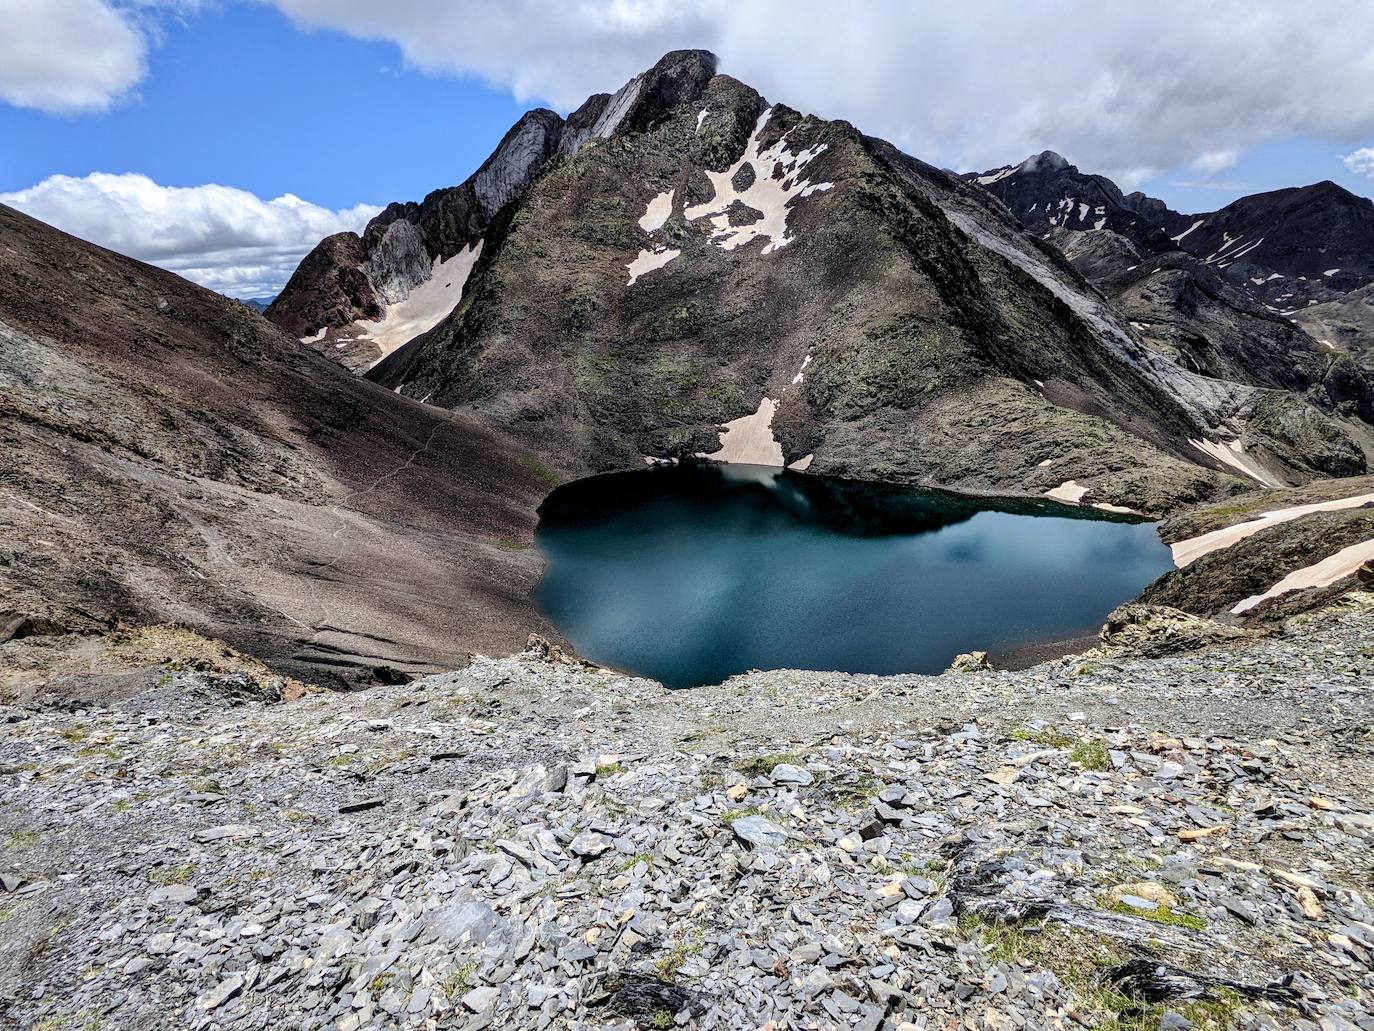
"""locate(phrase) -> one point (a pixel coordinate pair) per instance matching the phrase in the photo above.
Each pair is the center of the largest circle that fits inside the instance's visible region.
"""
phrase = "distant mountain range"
(258, 304)
(1289, 249)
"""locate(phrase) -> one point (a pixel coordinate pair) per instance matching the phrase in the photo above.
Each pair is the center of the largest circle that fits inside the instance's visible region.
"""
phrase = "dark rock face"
(1046, 192)
(1308, 243)
(348, 278)
(329, 289)
(180, 459)
(1285, 249)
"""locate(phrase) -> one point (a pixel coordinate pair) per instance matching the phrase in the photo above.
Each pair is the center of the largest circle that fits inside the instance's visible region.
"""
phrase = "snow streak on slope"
(777, 181)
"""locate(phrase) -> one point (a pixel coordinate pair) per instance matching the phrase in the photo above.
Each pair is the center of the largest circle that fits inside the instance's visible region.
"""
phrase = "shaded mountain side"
(1286, 249)
(1291, 247)
(1185, 310)
(663, 281)
(1046, 192)
(1206, 314)
(1345, 325)
(170, 456)
(348, 298)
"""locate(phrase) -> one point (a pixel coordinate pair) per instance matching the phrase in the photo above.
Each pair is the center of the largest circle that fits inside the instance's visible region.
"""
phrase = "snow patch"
(1233, 454)
(801, 373)
(315, 338)
(701, 117)
(1331, 272)
(749, 439)
(657, 212)
(1194, 548)
(1185, 232)
(1070, 491)
(1330, 569)
(777, 181)
(997, 176)
(648, 261)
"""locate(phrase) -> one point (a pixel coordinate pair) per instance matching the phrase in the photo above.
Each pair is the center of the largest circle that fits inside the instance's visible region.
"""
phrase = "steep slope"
(1046, 192)
(1287, 249)
(168, 455)
(1345, 324)
(1293, 247)
(713, 261)
(356, 299)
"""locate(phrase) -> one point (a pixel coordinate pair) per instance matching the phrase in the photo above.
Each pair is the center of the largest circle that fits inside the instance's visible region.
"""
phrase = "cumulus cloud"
(1125, 89)
(1361, 162)
(223, 238)
(64, 56)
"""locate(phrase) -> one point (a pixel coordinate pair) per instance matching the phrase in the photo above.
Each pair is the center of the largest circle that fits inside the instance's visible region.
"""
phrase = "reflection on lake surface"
(691, 574)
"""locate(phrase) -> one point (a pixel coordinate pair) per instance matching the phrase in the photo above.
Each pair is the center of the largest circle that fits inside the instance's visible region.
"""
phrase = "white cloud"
(1361, 161)
(223, 238)
(1124, 89)
(65, 56)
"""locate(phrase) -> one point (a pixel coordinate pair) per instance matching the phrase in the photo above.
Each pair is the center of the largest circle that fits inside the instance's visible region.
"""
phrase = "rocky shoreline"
(1102, 841)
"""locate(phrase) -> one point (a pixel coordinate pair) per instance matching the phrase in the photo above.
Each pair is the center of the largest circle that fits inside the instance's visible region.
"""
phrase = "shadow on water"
(691, 574)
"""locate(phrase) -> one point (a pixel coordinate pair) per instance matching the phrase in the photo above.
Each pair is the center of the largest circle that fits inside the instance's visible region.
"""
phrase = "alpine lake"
(691, 574)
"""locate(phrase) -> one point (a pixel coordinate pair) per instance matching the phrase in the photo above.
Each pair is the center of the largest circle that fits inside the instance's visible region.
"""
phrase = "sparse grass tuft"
(172, 874)
(456, 982)
(610, 769)
(541, 470)
(735, 814)
(762, 765)
(1048, 737)
(23, 839)
(1091, 754)
(1162, 914)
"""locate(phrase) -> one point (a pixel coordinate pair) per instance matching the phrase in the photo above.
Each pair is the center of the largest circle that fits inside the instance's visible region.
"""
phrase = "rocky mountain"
(167, 455)
(357, 299)
(707, 273)
(1287, 249)
(1190, 289)
(258, 304)
(1046, 192)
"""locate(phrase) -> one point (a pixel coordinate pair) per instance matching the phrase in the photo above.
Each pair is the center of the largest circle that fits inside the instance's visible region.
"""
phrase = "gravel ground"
(1103, 842)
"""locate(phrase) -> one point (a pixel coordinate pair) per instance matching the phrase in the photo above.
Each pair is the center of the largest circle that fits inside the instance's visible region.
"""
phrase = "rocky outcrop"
(349, 282)
(1285, 249)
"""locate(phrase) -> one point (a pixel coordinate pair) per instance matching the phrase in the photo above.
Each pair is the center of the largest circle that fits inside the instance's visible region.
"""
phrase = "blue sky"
(242, 97)
(186, 128)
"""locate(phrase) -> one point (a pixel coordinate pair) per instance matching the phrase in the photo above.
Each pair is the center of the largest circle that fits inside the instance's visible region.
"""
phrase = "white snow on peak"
(648, 261)
(427, 304)
(777, 181)
(660, 207)
(1185, 232)
(997, 176)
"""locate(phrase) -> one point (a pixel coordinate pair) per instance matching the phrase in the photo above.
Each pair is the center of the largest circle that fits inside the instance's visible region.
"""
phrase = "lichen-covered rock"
(1156, 630)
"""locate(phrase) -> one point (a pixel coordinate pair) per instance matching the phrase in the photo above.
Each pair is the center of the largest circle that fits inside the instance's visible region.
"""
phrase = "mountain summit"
(684, 266)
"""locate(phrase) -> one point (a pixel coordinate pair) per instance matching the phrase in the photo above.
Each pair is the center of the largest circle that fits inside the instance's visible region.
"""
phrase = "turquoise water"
(692, 574)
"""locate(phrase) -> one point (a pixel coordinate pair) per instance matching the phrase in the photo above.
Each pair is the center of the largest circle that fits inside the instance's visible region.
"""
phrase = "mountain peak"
(1045, 161)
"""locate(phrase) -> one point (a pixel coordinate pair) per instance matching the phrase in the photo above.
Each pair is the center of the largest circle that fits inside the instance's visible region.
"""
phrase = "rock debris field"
(1103, 842)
